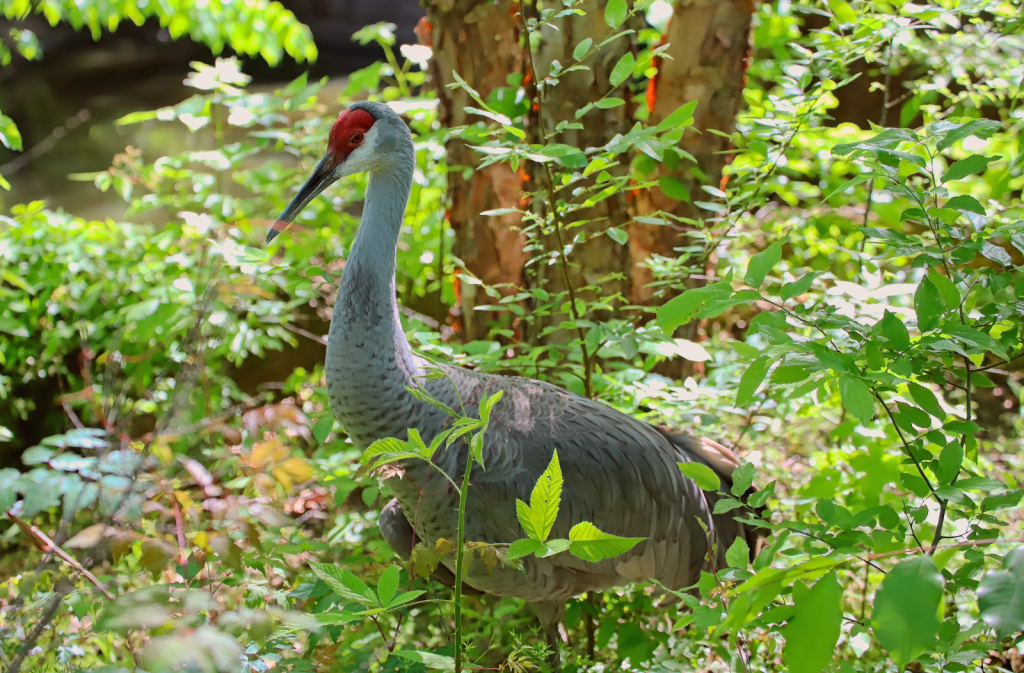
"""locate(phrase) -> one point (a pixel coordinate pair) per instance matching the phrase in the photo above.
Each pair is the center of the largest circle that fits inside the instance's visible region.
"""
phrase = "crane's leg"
(550, 614)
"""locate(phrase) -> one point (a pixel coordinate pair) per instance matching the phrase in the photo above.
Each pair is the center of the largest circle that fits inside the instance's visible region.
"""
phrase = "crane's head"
(361, 140)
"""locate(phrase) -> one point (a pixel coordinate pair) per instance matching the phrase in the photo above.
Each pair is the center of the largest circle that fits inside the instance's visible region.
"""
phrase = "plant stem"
(399, 74)
(459, 558)
(552, 194)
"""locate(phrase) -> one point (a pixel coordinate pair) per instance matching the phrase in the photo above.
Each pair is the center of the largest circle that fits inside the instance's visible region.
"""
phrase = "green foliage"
(248, 27)
(812, 632)
(854, 367)
(702, 475)
(1001, 595)
(538, 517)
(905, 618)
(585, 541)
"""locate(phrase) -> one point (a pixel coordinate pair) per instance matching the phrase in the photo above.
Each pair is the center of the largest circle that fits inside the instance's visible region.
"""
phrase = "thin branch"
(47, 545)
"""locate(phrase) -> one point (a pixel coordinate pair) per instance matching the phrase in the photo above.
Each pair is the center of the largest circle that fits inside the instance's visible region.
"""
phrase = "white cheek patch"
(360, 159)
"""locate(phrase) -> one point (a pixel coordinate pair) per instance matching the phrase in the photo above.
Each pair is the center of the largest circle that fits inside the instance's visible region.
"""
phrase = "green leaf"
(552, 547)
(1001, 595)
(651, 147)
(842, 11)
(726, 505)
(767, 554)
(751, 379)
(623, 69)
(538, 518)
(926, 400)
(742, 479)
(620, 236)
(9, 134)
(682, 115)
(437, 662)
(983, 128)
(681, 309)
(975, 338)
(337, 618)
(969, 166)
(886, 139)
(798, 287)
(405, 597)
(947, 290)
(702, 475)
(524, 547)
(927, 305)
(1001, 501)
(738, 555)
(615, 13)
(387, 585)
(813, 631)
(674, 189)
(761, 263)
(590, 544)
(790, 374)
(344, 583)
(13, 327)
(949, 462)
(905, 619)
(968, 203)
(9, 478)
(895, 331)
(857, 398)
(609, 103)
(322, 428)
(582, 49)
(996, 253)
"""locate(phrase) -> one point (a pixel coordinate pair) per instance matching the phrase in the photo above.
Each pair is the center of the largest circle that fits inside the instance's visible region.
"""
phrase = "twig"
(179, 527)
(910, 522)
(47, 545)
(309, 335)
(910, 451)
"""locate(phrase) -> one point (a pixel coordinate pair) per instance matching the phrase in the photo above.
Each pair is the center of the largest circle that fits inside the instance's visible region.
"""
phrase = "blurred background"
(65, 103)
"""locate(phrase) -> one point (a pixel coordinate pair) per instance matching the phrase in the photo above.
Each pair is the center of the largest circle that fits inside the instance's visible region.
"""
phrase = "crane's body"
(619, 473)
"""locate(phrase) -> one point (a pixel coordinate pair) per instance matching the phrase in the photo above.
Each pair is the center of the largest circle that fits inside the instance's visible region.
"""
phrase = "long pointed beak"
(322, 177)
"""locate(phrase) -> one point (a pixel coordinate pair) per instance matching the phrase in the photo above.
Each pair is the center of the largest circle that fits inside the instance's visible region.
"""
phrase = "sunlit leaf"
(702, 475)
(812, 632)
(587, 542)
(907, 602)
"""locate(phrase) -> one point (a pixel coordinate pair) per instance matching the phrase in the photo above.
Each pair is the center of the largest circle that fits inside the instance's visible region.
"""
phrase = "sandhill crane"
(619, 473)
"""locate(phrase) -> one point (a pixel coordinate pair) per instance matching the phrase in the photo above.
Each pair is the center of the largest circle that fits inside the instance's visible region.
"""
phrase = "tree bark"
(596, 259)
(479, 39)
(709, 46)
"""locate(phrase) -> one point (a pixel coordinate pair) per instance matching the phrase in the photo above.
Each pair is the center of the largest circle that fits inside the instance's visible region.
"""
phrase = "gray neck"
(369, 361)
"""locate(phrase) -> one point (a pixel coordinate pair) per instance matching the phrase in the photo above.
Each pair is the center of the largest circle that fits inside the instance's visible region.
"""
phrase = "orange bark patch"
(423, 32)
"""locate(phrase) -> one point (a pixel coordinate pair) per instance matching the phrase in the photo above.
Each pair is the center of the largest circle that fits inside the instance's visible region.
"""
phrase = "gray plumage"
(619, 473)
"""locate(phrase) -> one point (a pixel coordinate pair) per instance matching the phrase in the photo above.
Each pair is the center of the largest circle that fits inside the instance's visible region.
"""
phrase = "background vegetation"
(839, 302)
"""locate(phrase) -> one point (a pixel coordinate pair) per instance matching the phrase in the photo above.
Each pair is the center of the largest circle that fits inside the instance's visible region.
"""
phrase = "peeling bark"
(479, 39)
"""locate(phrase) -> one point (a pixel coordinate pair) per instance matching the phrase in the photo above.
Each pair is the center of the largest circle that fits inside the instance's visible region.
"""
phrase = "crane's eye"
(357, 138)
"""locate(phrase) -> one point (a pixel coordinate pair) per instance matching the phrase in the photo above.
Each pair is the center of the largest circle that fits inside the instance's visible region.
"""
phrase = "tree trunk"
(709, 45)
(596, 259)
(479, 39)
